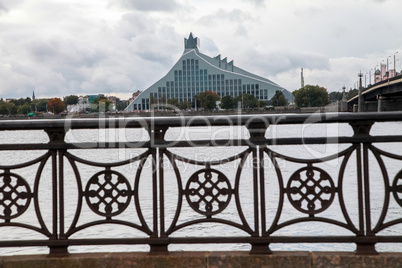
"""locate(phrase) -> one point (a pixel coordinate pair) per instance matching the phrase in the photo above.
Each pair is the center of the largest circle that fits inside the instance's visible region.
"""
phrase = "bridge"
(383, 96)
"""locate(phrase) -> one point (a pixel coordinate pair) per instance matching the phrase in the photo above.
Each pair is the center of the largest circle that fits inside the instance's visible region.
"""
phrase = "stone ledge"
(205, 259)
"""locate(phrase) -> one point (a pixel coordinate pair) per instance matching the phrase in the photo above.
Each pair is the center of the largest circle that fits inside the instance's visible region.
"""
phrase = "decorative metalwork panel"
(108, 193)
(15, 195)
(208, 191)
(397, 188)
(311, 190)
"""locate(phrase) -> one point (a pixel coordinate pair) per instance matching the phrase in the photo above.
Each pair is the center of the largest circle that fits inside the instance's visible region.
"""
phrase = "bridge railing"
(181, 191)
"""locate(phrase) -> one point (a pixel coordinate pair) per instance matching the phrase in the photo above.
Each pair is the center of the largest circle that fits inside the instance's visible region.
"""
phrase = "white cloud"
(60, 47)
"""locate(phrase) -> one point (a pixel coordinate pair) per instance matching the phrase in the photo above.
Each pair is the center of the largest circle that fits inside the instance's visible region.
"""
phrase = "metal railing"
(206, 191)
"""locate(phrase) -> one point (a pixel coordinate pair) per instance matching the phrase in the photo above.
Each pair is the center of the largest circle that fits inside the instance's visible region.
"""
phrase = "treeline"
(27, 106)
(207, 100)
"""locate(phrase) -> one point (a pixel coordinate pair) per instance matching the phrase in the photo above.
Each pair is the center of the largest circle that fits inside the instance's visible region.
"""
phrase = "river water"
(186, 170)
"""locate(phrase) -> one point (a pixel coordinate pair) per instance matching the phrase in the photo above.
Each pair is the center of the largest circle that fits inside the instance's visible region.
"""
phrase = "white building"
(195, 72)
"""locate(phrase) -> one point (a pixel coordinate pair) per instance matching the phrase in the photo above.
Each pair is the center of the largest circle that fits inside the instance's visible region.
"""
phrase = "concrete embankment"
(205, 259)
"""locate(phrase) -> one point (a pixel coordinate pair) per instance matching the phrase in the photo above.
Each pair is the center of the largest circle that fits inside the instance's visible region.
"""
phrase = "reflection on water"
(129, 136)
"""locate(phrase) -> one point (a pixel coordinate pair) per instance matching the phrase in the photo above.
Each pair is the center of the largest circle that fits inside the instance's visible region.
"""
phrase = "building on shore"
(195, 72)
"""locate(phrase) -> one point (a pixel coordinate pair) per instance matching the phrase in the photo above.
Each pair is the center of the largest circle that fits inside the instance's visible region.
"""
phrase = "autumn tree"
(101, 104)
(56, 105)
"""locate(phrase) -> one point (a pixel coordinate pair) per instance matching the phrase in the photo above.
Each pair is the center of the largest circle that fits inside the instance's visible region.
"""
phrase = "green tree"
(262, 104)
(21, 101)
(25, 108)
(56, 105)
(152, 101)
(184, 105)
(163, 100)
(335, 96)
(352, 93)
(227, 102)
(311, 96)
(70, 100)
(279, 99)
(4, 107)
(173, 102)
(247, 101)
(42, 105)
(208, 99)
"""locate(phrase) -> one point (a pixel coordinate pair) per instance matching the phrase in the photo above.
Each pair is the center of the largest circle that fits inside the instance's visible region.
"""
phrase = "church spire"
(33, 94)
(192, 42)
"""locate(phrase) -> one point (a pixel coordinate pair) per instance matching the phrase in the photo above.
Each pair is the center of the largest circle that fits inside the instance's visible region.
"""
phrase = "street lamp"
(395, 62)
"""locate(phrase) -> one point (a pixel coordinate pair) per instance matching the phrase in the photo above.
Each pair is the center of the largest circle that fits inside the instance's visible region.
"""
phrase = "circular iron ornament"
(15, 195)
(208, 192)
(397, 188)
(311, 190)
(108, 193)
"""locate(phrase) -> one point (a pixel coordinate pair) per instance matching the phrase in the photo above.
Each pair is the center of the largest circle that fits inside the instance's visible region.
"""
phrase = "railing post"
(257, 135)
(159, 245)
(57, 247)
(366, 240)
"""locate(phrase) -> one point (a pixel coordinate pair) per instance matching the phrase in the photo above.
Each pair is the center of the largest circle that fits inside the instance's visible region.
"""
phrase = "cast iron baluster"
(57, 247)
(365, 242)
(257, 135)
(157, 134)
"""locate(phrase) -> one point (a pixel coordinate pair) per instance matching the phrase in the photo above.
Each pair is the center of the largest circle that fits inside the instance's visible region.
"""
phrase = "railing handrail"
(185, 121)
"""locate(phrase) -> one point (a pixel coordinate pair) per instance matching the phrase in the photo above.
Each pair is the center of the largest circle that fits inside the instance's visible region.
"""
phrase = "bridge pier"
(389, 103)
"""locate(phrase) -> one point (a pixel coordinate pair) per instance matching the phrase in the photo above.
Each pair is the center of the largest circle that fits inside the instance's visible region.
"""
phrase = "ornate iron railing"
(203, 193)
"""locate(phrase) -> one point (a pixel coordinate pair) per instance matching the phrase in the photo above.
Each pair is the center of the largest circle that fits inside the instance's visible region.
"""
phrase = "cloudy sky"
(116, 47)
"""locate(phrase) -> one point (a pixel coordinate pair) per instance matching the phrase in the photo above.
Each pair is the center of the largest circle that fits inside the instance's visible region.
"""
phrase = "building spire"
(191, 42)
(33, 94)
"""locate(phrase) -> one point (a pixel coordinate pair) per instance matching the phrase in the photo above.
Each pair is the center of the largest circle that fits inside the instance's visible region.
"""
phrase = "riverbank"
(171, 113)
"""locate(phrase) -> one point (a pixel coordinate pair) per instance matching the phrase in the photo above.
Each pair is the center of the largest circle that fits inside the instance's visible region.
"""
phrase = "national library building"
(195, 72)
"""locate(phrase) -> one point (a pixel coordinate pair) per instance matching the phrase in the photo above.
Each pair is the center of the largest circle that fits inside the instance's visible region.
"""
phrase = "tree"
(262, 104)
(335, 96)
(173, 102)
(208, 99)
(25, 108)
(152, 101)
(184, 105)
(42, 105)
(56, 105)
(227, 102)
(70, 100)
(311, 96)
(101, 104)
(247, 101)
(279, 99)
(7, 108)
(352, 93)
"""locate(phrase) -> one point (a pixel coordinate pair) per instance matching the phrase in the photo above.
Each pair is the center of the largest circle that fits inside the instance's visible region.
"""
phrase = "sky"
(58, 48)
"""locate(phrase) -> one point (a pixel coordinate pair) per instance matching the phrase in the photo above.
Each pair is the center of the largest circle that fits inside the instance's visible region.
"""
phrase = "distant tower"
(360, 102)
(33, 94)
(302, 78)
